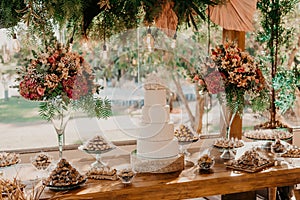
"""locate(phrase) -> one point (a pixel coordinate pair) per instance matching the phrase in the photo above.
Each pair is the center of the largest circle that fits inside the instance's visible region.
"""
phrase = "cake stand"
(98, 163)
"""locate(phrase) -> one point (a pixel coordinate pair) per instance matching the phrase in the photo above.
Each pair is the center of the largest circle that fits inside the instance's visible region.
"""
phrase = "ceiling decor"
(234, 14)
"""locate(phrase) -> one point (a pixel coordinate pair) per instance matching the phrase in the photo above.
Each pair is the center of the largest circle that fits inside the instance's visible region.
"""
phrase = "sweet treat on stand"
(64, 175)
(155, 135)
(7, 159)
(292, 153)
(205, 162)
(278, 147)
(102, 173)
(184, 134)
(8, 186)
(250, 161)
(97, 143)
(228, 143)
(126, 175)
(268, 134)
(41, 161)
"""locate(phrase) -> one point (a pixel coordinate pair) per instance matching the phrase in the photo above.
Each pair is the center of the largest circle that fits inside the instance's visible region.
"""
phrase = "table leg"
(272, 193)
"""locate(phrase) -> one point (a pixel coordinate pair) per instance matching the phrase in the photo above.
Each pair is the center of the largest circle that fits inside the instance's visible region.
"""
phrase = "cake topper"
(153, 82)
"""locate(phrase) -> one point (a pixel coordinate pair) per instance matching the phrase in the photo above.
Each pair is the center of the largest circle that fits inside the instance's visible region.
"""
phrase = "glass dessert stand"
(228, 153)
(183, 146)
(228, 147)
(98, 163)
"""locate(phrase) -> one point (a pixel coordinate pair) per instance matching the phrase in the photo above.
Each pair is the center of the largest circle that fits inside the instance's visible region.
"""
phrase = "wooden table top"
(180, 185)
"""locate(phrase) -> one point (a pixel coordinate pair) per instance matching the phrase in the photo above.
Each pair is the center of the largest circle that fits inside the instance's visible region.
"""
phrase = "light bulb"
(85, 46)
(149, 41)
(173, 44)
(70, 47)
(16, 46)
(104, 53)
(134, 62)
(5, 56)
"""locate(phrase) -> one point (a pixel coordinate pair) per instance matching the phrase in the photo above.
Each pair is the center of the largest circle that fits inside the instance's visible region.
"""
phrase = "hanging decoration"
(173, 44)
(149, 40)
(16, 46)
(233, 14)
(167, 20)
(104, 52)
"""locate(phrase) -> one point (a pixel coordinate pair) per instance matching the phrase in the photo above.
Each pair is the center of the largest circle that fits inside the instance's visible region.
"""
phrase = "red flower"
(241, 69)
(41, 90)
(196, 77)
(51, 59)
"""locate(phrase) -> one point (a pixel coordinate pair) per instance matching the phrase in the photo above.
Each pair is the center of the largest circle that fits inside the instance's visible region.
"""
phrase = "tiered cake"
(157, 149)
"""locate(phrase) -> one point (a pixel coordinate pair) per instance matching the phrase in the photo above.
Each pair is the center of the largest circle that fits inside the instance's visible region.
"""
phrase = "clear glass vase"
(226, 119)
(59, 121)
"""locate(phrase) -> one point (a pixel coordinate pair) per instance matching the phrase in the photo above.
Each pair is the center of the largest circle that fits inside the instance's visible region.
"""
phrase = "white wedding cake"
(157, 148)
(156, 137)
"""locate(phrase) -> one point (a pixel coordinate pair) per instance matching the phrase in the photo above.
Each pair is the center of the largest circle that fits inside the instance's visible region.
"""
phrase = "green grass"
(18, 110)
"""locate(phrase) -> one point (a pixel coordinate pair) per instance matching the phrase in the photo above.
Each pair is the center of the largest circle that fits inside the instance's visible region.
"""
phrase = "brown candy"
(64, 175)
(97, 143)
(41, 161)
(184, 134)
(7, 159)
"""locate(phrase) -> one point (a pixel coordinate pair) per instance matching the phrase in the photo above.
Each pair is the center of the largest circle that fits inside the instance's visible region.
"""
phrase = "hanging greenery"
(88, 17)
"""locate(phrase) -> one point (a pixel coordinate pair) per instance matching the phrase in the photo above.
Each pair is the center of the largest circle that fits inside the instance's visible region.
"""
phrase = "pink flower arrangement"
(229, 67)
(61, 79)
(57, 72)
(237, 67)
(232, 71)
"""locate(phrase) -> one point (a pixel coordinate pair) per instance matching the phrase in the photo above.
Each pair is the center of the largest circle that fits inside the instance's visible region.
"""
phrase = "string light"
(16, 46)
(104, 52)
(149, 40)
(5, 56)
(134, 61)
(71, 44)
(173, 44)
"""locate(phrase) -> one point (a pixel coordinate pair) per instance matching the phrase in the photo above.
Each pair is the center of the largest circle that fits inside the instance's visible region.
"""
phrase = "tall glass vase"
(59, 121)
(226, 122)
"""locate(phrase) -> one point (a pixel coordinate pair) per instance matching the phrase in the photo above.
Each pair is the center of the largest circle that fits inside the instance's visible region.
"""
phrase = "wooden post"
(239, 37)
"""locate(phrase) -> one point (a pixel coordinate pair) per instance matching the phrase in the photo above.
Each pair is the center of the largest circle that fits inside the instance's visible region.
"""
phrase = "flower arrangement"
(59, 77)
(234, 72)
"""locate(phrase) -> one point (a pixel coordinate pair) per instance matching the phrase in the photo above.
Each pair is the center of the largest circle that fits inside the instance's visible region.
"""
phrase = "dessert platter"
(278, 147)
(250, 161)
(268, 134)
(185, 135)
(8, 159)
(225, 143)
(97, 145)
(292, 153)
(205, 162)
(101, 173)
(228, 146)
(126, 175)
(41, 161)
(64, 177)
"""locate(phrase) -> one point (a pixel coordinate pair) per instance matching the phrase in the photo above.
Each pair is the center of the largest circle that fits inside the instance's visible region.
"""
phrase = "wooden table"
(186, 184)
